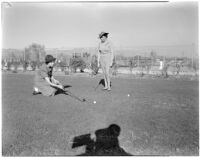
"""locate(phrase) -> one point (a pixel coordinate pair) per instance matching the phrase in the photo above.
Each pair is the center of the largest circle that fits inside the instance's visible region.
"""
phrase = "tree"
(61, 61)
(114, 67)
(131, 64)
(165, 69)
(35, 53)
(153, 56)
(2, 63)
(94, 65)
(86, 55)
(26, 54)
(13, 56)
(61, 57)
(77, 63)
(178, 68)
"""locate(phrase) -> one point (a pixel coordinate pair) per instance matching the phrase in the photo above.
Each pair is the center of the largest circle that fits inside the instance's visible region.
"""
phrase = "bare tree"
(35, 53)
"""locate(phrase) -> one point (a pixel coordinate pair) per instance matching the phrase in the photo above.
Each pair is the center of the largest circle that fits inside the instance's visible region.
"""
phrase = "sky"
(57, 25)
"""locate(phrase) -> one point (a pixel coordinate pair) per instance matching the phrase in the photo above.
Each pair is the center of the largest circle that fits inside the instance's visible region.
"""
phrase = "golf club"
(96, 87)
(72, 95)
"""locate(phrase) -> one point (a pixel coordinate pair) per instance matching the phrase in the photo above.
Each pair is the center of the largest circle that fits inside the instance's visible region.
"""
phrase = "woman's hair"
(47, 62)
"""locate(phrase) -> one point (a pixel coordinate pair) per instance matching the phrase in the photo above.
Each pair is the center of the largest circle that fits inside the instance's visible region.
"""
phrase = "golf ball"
(128, 95)
(94, 102)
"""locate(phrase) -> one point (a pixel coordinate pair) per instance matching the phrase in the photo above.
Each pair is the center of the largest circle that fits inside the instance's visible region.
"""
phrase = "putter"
(100, 82)
(72, 95)
(96, 87)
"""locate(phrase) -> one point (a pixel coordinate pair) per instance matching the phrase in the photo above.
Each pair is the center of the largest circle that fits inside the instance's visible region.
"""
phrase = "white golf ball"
(128, 95)
(94, 102)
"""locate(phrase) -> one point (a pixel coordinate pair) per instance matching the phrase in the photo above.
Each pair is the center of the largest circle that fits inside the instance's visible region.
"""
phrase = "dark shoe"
(35, 93)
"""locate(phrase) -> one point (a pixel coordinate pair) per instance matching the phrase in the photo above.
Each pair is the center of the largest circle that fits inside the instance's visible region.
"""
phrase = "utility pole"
(24, 55)
(145, 60)
(192, 62)
(175, 60)
(56, 54)
(39, 54)
(192, 56)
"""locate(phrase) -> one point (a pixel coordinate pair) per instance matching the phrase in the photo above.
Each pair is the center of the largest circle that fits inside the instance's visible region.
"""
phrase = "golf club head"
(83, 100)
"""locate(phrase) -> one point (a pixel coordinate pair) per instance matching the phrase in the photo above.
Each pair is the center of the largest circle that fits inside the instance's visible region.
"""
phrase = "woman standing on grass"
(105, 58)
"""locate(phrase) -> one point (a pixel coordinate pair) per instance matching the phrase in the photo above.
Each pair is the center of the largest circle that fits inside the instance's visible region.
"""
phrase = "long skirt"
(105, 61)
(45, 88)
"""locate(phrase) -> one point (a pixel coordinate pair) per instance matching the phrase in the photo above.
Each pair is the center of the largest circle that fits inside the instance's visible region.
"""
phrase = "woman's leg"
(105, 78)
(108, 82)
(108, 78)
(50, 91)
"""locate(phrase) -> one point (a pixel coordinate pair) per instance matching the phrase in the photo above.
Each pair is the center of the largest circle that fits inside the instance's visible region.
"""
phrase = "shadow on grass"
(59, 91)
(67, 86)
(102, 82)
(105, 142)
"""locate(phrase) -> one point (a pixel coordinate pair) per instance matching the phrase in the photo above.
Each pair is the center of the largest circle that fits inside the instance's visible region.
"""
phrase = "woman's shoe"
(109, 89)
(35, 93)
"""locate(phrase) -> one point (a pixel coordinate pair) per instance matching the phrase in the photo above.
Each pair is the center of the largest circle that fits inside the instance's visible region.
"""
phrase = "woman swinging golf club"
(105, 58)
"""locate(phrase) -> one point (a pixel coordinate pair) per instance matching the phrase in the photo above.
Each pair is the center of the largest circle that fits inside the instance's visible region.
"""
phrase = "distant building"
(76, 55)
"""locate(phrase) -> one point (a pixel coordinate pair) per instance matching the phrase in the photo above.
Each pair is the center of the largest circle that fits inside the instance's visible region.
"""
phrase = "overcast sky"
(78, 24)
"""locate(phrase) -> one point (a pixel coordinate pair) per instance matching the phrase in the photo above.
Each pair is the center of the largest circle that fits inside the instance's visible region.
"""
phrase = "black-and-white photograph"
(102, 78)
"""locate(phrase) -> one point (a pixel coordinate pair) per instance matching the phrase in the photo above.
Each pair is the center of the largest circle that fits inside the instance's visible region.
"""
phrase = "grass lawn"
(160, 117)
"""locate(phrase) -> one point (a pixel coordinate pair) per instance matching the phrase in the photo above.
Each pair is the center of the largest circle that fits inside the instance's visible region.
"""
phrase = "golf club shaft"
(72, 95)
(96, 87)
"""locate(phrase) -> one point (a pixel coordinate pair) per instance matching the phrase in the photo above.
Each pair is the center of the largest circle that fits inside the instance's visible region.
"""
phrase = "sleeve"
(109, 47)
(98, 53)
